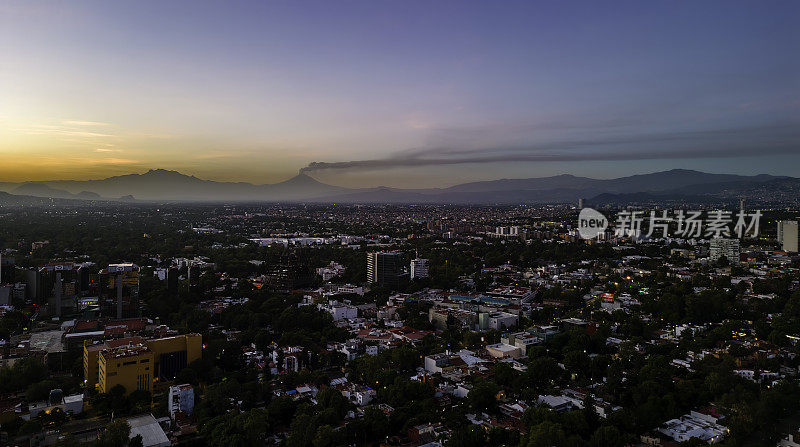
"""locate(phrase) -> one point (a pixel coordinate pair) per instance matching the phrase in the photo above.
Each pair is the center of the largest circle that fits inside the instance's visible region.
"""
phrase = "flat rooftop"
(128, 351)
(152, 433)
(47, 341)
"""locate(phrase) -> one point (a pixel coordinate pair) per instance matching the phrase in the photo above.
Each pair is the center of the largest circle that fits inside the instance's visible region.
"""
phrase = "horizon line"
(303, 173)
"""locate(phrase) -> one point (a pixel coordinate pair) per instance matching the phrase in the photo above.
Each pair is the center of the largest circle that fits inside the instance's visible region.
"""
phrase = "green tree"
(469, 435)
(546, 434)
(483, 396)
(607, 436)
(116, 434)
(136, 441)
(325, 436)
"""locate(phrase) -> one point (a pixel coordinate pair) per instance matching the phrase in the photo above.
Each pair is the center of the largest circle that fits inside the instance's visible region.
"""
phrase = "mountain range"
(164, 185)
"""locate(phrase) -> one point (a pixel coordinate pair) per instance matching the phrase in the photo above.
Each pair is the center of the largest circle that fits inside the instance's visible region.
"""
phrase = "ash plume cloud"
(783, 139)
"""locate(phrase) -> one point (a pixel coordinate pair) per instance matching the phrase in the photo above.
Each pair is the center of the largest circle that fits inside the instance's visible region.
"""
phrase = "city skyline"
(424, 223)
(405, 95)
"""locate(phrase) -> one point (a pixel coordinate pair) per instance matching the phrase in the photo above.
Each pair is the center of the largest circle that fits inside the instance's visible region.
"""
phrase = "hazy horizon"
(410, 95)
(313, 176)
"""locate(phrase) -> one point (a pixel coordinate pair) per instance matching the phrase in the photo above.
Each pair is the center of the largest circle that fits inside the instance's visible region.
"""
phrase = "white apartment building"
(419, 268)
(724, 248)
(787, 235)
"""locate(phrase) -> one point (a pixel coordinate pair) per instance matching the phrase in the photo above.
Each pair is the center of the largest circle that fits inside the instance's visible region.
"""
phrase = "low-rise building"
(503, 351)
(701, 425)
(522, 340)
(148, 428)
(340, 311)
(497, 320)
(181, 399)
(69, 404)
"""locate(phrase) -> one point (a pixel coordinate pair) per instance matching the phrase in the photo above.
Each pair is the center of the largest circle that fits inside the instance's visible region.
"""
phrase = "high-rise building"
(7, 269)
(32, 281)
(580, 204)
(172, 280)
(385, 268)
(724, 248)
(288, 272)
(192, 275)
(419, 268)
(119, 290)
(512, 231)
(447, 226)
(57, 286)
(787, 235)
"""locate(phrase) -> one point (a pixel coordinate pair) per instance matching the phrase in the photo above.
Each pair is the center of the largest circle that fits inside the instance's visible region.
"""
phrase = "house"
(426, 433)
(560, 403)
(503, 351)
(522, 340)
(697, 424)
(462, 390)
(69, 404)
(181, 399)
(363, 395)
(497, 320)
(340, 311)
(358, 394)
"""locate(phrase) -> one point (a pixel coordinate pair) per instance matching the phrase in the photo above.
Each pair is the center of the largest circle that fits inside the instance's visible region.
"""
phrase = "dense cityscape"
(300, 325)
(399, 223)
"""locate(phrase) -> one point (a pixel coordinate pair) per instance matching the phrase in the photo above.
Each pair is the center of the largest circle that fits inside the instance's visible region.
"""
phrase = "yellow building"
(172, 354)
(136, 363)
(129, 366)
(90, 363)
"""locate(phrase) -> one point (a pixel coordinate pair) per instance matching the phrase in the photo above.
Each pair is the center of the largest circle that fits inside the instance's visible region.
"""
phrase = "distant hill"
(44, 190)
(88, 195)
(564, 188)
(164, 185)
(41, 190)
(777, 190)
(161, 184)
(15, 200)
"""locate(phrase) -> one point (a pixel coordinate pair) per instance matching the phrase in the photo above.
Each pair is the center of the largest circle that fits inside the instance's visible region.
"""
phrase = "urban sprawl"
(325, 325)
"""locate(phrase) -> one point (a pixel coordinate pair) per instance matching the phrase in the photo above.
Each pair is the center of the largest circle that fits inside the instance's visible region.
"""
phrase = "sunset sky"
(398, 93)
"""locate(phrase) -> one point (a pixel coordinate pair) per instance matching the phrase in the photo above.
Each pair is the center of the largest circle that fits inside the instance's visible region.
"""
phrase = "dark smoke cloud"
(747, 142)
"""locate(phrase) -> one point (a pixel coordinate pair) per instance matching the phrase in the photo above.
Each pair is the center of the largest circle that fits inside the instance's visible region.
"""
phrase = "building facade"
(136, 363)
(56, 286)
(787, 235)
(181, 399)
(724, 248)
(419, 268)
(385, 268)
(119, 290)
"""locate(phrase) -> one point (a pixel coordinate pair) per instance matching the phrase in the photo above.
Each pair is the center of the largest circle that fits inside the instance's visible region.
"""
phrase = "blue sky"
(414, 93)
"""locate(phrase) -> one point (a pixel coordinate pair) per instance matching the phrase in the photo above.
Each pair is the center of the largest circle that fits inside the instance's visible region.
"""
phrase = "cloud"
(71, 130)
(84, 123)
(117, 161)
(777, 139)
